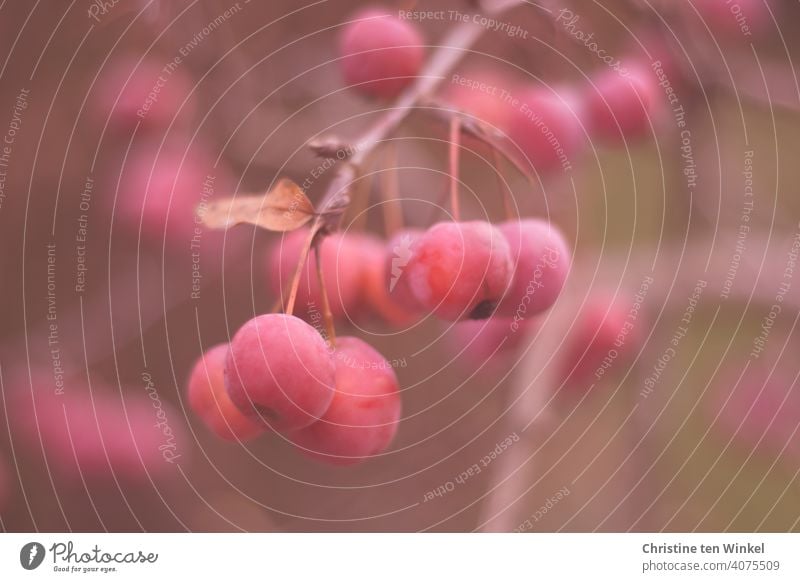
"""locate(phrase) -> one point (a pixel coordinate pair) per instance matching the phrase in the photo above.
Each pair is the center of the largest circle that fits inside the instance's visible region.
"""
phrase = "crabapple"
(381, 54)
(160, 190)
(620, 106)
(343, 259)
(383, 292)
(460, 270)
(141, 93)
(279, 370)
(399, 251)
(480, 341)
(602, 334)
(364, 414)
(480, 93)
(96, 435)
(546, 127)
(541, 259)
(744, 17)
(761, 411)
(210, 401)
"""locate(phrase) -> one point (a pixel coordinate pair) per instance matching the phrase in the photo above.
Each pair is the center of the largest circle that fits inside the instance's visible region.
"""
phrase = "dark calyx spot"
(265, 413)
(483, 310)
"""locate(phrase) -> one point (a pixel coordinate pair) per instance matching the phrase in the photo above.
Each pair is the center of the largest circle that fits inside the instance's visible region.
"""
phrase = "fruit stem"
(299, 271)
(455, 150)
(497, 162)
(392, 210)
(451, 50)
(327, 315)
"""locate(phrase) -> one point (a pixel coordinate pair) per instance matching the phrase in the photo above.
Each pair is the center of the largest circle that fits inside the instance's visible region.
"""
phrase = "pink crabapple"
(98, 436)
(395, 308)
(381, 54)
(743, 17)
(541, 259)
(143, 94)
(620, 106)
(398, 253)
(761, 412)
(602, 336)
(209, 399)
(546, 127)
(279, 369)
(161, 189)
(484, 94)
(363, 417)
(345, 258)
(460, 270)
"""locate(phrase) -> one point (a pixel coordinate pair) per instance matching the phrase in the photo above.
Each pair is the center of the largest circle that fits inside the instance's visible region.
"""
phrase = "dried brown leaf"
(284, 208)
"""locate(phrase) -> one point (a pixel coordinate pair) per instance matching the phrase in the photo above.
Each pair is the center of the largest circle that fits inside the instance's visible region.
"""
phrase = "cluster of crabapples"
(338, 404)
(338, 401)
(381, 54)
(341, 404)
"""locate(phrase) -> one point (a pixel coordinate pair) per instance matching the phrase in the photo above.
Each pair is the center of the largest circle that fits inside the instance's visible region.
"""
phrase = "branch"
(453, 48)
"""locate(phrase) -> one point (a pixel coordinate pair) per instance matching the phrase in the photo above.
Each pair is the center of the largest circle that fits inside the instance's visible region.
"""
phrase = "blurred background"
(659, 393)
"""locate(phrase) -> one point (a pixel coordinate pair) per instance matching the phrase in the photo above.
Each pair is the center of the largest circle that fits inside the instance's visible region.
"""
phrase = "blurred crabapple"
(602, 335)
(485, 94)
(761, 412)
(541, 259)
(99, 436)
(546, 127)
(210, 401)
(381, 54)
(382, 274)
(399, 251)
(743, 17)
(161, 189)
(460, 270)
(143, 93)
(280, 370)
(344, 264)
(363, 417)
(622, 106)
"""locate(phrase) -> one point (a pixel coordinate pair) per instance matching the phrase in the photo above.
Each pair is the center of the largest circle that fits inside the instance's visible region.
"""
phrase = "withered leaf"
(284, 208)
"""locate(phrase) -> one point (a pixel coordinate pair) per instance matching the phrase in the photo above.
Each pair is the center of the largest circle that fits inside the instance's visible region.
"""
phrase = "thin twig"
(327, 315)
(455, 150)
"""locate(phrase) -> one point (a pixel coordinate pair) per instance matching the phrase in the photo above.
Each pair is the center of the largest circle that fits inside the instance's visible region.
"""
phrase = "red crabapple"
(546, 127)
(160, 190)
(761, 412)
(95, 435)
(601, 336)
(481, 93)
(364, 414)
(343, 260)
(620, 106)
(392, 303)
(460, 270)
(279, 369)
(541, 260)
(132, 93)
(399, 251)
(743, 17)
(381, 54)
(210, 401)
